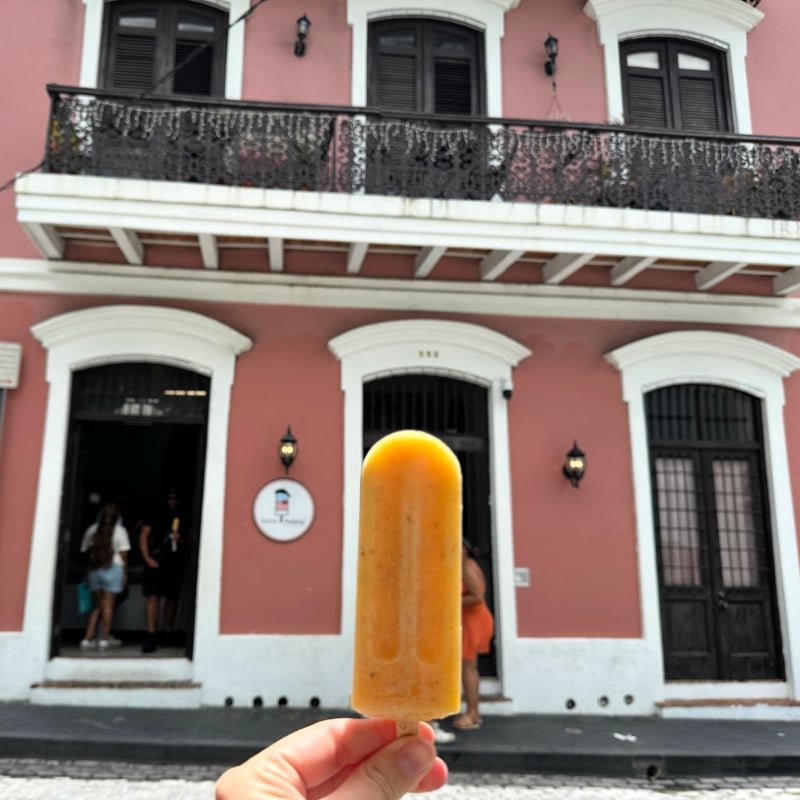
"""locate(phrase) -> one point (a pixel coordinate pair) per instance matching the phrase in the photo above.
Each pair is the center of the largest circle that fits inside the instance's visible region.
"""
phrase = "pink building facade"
(410, 223)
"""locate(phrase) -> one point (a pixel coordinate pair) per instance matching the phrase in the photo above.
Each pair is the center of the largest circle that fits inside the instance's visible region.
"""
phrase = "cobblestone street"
(30, 779)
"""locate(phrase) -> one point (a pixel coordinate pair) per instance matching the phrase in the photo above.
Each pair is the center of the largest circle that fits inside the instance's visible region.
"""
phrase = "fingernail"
(413, 758)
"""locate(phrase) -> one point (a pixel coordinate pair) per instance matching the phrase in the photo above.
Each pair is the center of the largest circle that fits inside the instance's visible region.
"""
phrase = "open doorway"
(136, 432)
(456, 411)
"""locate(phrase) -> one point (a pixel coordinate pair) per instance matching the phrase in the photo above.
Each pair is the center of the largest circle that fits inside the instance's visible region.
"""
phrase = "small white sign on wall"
(283, 510)
(10, 357)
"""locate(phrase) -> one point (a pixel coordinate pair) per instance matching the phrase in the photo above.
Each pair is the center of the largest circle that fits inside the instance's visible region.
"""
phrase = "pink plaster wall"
(47, 40)
(527, 90)
(772, 70)
(42, 45)
(580, 545)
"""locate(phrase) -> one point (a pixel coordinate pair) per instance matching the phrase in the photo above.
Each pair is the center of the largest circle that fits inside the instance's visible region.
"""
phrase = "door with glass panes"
(714, 551)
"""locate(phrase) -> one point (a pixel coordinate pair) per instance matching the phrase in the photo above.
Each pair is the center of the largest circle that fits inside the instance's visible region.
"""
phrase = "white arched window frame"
(110, 335)
(722, 25)
(234, 60)
(453, 349)
(758, 369)
(485, 15)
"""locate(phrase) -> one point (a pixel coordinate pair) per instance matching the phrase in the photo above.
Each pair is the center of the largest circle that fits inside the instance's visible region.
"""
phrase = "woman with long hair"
(107, 544)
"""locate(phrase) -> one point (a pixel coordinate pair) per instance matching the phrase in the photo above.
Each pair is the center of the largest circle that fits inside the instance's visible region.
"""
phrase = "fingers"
(344, 759)
(408, 764)
(309, 758)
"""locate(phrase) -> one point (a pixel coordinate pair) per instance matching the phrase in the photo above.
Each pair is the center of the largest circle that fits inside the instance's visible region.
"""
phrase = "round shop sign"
(283, 510)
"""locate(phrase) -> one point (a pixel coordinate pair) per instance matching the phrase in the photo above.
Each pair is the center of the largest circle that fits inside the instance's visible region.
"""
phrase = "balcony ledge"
(566, 239)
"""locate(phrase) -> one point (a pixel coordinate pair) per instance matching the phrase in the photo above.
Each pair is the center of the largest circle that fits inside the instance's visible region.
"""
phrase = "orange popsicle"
(407, 663)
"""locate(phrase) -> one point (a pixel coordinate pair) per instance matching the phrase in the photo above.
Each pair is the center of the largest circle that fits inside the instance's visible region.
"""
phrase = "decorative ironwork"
(354, 150)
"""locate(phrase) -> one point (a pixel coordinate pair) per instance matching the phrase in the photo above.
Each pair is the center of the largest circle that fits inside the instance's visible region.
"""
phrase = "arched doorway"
(714, 545)
(455, 411)
(136, 430)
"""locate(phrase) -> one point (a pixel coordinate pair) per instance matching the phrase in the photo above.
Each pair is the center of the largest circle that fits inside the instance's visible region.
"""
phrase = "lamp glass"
(288, 448)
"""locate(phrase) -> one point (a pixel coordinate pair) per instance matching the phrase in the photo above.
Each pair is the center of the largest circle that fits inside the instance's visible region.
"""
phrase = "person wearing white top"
(107, 544)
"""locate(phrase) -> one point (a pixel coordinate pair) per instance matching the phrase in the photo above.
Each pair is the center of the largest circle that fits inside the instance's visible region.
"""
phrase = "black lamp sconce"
(551, 48)
(575, 465)
(303, 24)
(288, 449)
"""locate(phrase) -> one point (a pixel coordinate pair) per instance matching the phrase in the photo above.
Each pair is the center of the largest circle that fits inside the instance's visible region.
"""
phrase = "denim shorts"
(106, 579)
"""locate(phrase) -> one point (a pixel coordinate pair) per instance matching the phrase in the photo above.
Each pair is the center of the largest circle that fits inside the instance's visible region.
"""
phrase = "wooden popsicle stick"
(405, 727)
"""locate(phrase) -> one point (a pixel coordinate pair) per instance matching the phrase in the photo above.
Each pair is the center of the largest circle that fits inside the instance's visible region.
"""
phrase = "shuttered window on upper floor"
(145, 41)
(675, 84)
(426, 66)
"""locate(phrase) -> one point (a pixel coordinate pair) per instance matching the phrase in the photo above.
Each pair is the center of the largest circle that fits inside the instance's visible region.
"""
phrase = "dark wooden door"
(427, 66)
(677, 84)
(457, 412)
(716, 575)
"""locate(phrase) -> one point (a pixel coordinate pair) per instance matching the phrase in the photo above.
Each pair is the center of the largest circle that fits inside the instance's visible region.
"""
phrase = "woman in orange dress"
(477, 627)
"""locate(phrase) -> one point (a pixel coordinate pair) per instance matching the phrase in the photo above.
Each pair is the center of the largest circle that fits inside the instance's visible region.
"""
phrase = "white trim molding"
(485, 15)
(455, 349)
(107, 335)
(234, 55)
(751, 366)
(721, 23)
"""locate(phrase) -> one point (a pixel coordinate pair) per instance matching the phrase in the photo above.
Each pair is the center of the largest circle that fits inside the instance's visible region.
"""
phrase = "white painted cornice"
(422, 296)
(734, 12)
(89, 323)
(421, 332)
(711, 344)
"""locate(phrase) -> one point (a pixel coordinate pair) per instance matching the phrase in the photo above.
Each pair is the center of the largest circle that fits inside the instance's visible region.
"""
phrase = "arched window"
(676, 84)
(425, 65)
(144, 42)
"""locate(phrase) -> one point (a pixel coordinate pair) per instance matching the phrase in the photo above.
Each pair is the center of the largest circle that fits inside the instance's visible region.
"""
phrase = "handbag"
(85, 600)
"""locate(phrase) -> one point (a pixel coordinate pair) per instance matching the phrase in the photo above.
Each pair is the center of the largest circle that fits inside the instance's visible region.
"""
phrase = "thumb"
(390, 773)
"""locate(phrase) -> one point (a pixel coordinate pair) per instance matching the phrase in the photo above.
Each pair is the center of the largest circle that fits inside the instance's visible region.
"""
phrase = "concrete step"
(117, 693)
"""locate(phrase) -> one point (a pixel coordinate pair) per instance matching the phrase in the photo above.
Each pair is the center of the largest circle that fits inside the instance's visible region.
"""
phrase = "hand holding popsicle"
(408, 607)
(338, 759)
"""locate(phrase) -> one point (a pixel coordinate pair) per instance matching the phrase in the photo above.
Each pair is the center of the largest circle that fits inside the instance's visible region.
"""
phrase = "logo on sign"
(281, 502)
(283, 510)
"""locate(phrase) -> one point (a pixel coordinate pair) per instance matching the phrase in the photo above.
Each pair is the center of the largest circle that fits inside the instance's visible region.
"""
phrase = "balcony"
(728, 203)
(350, 151)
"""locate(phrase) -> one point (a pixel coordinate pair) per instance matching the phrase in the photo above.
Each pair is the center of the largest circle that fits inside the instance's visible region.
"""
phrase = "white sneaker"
(114, 642)
(88, 644)
(441, 736)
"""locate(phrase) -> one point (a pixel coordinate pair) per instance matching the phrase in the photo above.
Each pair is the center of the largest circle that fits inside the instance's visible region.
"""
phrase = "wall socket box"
(522, 577)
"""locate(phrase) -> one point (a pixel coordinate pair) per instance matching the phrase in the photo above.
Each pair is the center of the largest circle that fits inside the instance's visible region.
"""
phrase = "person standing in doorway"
(164, 543)
(477, 628)
(107, 545)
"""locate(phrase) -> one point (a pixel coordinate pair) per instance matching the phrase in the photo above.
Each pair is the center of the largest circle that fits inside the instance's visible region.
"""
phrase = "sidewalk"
(573, 745)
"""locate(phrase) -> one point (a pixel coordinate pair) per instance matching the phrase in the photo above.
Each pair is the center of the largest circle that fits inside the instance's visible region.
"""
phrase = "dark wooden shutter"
(196, 76)
(425, 65)
(698, 105)
(396, 85)
(452, 87)
(647, 102)
(136, 57)
(134, 62)
(670, 97)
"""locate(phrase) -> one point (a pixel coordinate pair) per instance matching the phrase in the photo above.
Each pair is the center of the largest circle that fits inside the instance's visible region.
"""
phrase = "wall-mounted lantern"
(575, 465)
(288, 449)
(303, 24)
(551, 48)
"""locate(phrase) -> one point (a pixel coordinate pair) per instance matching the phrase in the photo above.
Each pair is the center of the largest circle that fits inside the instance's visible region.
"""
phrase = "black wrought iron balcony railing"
(351, 150)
